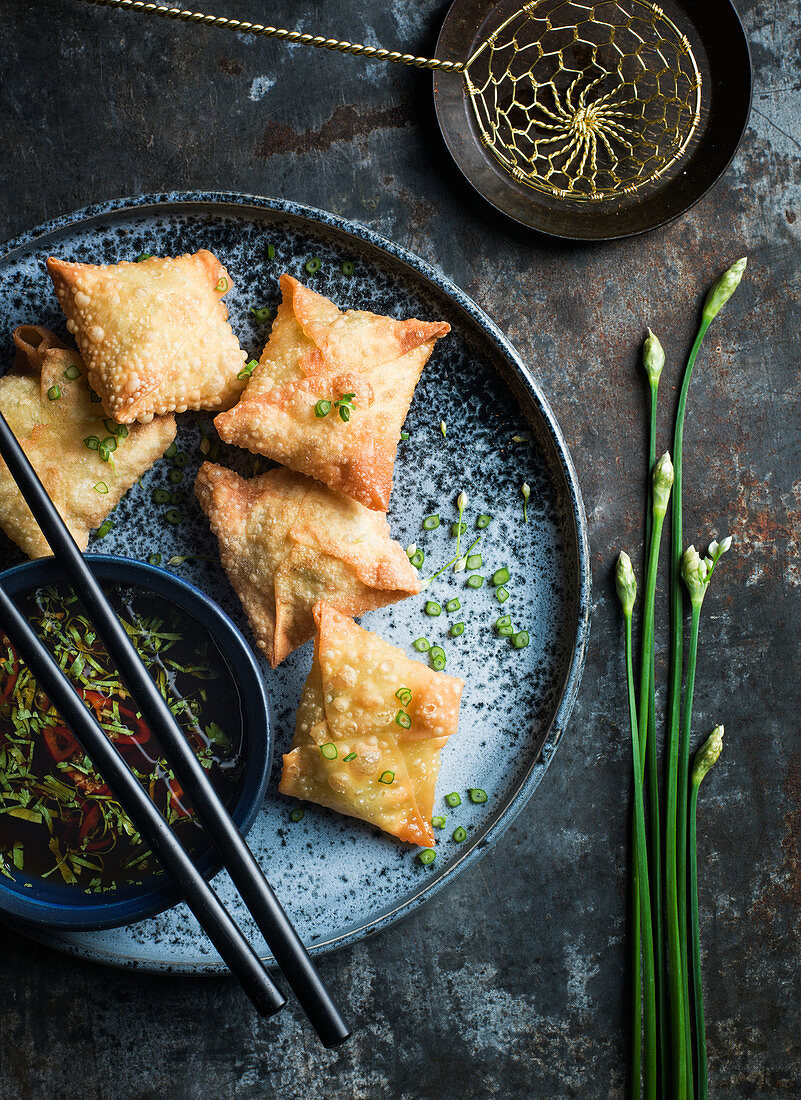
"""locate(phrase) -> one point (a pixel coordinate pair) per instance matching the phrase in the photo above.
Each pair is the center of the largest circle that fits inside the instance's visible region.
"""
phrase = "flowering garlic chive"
(443, 429)
(461, 501)
(525, 489)
(460, 565)
(461, 504)
(707, 755)
(723, 289)
(653, 357)
(662, 481)
(625, 582)
(695, 572)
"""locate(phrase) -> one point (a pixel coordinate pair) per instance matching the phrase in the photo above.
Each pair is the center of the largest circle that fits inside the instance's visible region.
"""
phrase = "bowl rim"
(85, 914)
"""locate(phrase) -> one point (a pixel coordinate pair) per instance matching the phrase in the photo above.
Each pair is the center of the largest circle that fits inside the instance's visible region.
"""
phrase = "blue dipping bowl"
(43, 902)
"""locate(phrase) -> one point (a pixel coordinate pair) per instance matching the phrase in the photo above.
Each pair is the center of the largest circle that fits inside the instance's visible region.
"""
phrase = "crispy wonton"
(48, 404)
(286, 540)
(369, 730)
(154, 334)
(317, 353)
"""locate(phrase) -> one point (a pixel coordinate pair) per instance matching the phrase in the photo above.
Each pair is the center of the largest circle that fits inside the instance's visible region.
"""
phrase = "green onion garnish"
(403, 720)
(348, 267)
(172, 450)
(417, 558)
(438, 822)
(456, 630)
(329, 751)
(94, 397)
(270, 251)
(154, 559)
(521, 639)
(110, 443)
(113, 428)
(422, 645)
(344, 413)
(92, 442)
(71, 373)
(103, 529)
(460, 835)
(103, 452)
(427, 856)
(261, 313)
(432, 608)
(500, 576)
(143, 256)
(101, 487)
(297, 815)
(458, 528)
(173, 515)
(386, 777)
(54, 393)
(161, 496)
(506, 631)
(176, 476)
(222, 285)
(477, 795)
(347, 759)
(483, 521)
(453, 605)
(475, 581)
(501, 594)
(404, 435)
(475, 561)
(437, 656)
(453, 799)
(430, 523)
(504, 620)
(181, 459)
(322, 408)
(404, 696)
(248, 369)
(313, 265)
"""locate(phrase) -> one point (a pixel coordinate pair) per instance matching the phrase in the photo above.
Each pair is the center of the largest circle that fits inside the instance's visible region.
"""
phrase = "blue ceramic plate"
(341, 880)
(57, 906)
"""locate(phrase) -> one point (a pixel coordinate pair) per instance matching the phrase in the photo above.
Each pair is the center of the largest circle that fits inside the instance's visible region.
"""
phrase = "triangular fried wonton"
(317, 353)
(286, 540)
(369, 730)
(154, 334)
(48, 404)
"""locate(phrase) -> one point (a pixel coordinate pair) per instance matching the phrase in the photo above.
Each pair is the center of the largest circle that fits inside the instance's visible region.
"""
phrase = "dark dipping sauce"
(58, 818)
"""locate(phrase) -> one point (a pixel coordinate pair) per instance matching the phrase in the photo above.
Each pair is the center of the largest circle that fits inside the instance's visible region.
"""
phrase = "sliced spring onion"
(222, 285)
(348, 267)
(177, 497)
(103, 452)
(54, 393)
(475, 561)
(432, 608)
(322, 408)
(439, 822)
(181, 459)
(92, 442)
(430, 523)
(404, 435)
(453, 799)
(103, 529)
(422, 645)
(297, 815)
(403, 720)
(329, 751)
(143, 256)
(500, 576)
(161, 496)
(458, 528)
(438, 658)
(501, 594)
(176, 476)
(313, 265)
(261, 314)
(475, 581)
(483, 521)
(154, 559)
(173, 515)
(456, 630)
(344, 413)
(386, 777)
(417, 558)
(454, 604)
(504, 620)
(172, 450)
(521, 639)
(404, 696)
(460, 835)
(248, 369)
(71, 373)
(110, 443)
(427, 856)
(477, 795)
(101, 487)
(270, 251)
(506, 631)
(347, 759)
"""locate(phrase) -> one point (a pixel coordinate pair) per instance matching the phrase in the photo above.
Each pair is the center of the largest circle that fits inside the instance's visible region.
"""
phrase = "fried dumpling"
(370, 729)
(154, 334)
(286, 540)
(48, 403)
(316, 354)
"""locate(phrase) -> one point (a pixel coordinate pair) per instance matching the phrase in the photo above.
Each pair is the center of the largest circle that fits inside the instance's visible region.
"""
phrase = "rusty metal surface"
(512, 983)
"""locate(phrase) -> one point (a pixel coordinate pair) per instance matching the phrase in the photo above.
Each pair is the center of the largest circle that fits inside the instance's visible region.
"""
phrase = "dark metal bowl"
(721, 49)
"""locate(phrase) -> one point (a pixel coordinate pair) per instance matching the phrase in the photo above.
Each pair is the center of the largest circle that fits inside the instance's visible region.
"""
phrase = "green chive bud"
(443, 428)
(461, 501)
(707, 755)
(653, 358)
(723, 289)
(460, 565)
(625, 583)
(695, 572)
(662, 482)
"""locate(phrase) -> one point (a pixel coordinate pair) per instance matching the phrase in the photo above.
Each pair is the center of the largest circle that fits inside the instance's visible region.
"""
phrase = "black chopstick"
(221, 929)
(247, 876)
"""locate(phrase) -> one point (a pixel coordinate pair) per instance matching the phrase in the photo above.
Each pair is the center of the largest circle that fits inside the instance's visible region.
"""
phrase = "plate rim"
(223, 202)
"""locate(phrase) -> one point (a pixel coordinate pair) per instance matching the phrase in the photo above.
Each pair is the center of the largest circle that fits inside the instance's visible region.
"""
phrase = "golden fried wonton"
(154, 334)
(48, 404)
(317, 353)
(369, 730)
(286, 540)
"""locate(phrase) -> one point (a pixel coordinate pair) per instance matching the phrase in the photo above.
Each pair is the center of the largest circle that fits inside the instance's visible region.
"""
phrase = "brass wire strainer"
(585, 101)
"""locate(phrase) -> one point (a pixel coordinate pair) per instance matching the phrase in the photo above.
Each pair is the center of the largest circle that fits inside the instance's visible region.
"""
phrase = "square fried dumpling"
(48, 404)
(370, 729)
(318, 353)
(154, 334)
(285, 541)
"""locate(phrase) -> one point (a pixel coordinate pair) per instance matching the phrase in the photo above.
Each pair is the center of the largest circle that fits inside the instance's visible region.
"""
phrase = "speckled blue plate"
(341, 880)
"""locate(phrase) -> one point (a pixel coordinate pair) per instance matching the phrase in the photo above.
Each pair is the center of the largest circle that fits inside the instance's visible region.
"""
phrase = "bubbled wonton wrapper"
(286, 540)
(316, 352)
(349, 705)
(154, 334)
(52, 434)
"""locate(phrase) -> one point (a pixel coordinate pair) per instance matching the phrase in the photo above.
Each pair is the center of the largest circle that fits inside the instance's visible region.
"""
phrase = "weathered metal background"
(512, 983)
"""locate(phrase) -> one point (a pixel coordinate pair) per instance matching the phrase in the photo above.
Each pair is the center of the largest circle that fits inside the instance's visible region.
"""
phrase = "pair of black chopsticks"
(224, 933)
